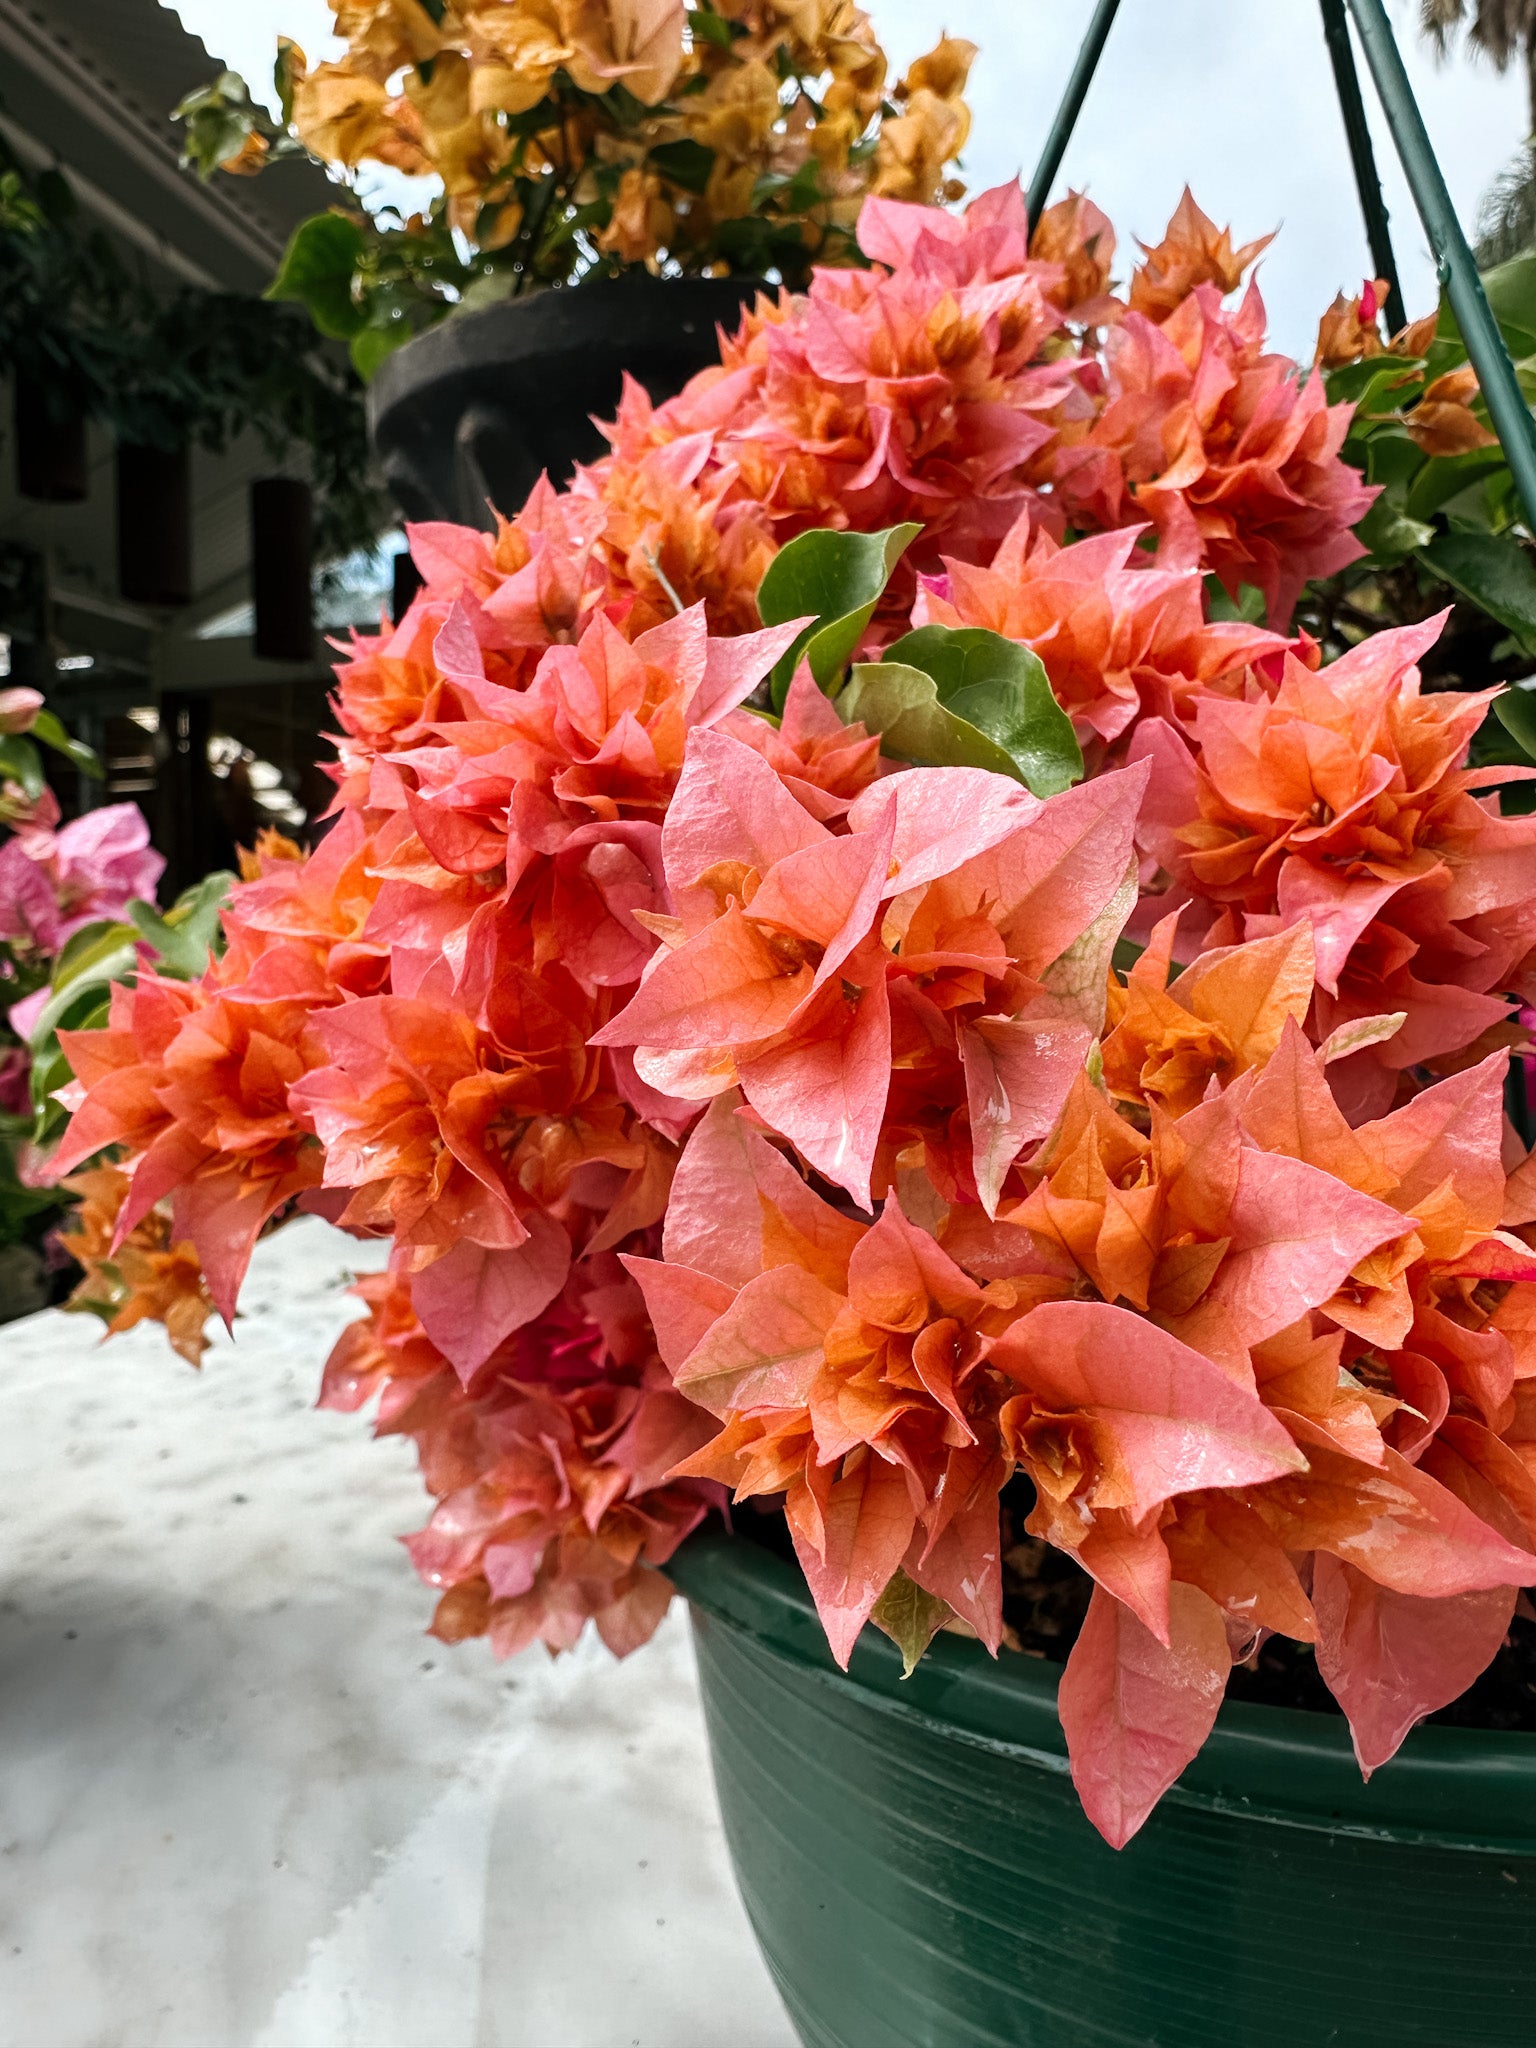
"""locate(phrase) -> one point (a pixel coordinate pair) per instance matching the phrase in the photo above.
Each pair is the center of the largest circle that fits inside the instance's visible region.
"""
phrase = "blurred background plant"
(579, 138)
(85, 336)
(77, 916)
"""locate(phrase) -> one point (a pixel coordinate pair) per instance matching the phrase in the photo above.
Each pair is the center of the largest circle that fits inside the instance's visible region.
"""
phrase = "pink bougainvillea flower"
(1118, 637)
(849, 1365)
(1193, 251)
(314, 908)
(561, 786)
(1232, 457)
(1340, 799)
(823, 763)
(1078, 238)
(54, 883)
(915, 390)
(460, 1141)
(549, 1467)
(194, 1084)
(786, 936)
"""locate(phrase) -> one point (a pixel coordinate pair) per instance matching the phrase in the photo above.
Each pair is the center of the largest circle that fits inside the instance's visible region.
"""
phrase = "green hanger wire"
(1454, 262)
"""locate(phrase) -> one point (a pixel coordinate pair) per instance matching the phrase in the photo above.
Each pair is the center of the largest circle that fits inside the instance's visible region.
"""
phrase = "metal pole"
(1454, 262)
(1367, 180)
(1071, 106)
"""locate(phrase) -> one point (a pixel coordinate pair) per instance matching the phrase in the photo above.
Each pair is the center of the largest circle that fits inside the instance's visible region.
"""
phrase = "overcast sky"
(1233, 96)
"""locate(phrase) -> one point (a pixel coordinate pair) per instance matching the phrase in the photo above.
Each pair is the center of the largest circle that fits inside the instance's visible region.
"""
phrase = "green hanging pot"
(919, 1874)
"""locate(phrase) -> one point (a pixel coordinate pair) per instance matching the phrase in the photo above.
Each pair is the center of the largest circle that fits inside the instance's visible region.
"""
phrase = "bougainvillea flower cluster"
(752, 1111)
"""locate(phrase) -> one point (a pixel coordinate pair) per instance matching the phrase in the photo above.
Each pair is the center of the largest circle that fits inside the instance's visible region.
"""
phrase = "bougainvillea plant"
(709, 987)
(577, 138)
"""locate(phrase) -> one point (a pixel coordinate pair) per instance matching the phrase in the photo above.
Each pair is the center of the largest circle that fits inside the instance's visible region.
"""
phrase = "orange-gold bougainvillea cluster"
(750, 1110)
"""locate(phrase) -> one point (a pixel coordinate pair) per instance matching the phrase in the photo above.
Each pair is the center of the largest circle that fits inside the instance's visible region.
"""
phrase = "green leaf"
(835, 580)
(373, 344)
(1392, 456)
(47, 728)
(1511, 292)
(902, 705)
(1389, 533)
(1003, 691)
(1375, 384)
(84, 953)
(1248, 605)
(1443, 477)
(94, 958)
(317, 270)
(1494, 572)
(705, 26)
(1516, 712)
(20, 762)
(685, 162)
(186, 934)
(911, 1618)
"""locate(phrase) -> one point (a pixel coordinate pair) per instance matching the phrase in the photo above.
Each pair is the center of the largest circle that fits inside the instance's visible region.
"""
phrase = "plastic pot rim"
(1454, 1788)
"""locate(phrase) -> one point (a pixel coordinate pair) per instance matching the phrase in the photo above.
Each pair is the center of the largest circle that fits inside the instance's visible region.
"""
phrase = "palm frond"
(1506, 218)
(1439, 20)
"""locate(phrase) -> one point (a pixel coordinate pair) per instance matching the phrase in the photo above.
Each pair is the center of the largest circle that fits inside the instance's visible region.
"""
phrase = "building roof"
(91, 83)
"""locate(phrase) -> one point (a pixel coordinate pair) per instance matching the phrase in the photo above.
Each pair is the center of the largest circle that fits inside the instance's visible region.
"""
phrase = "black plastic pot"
(154, 524)
(282, 568)
(468, 414)
(919, 1873)
(52, 459)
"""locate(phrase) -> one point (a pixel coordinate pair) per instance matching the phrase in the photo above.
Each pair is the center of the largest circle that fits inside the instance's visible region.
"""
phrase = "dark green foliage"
(201, 367)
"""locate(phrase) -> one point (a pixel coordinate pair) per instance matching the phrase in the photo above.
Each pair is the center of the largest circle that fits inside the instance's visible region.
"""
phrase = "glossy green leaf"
(189, 930)
(376, 342)
(84, 953)
(705, 26)
(911, 1618)
(21, 763)
(1444, 476)
(317, 270)
(1392, 456)
(48, 729)
(1388, 532)
(835, 580)
(1494, 572)
(1376, 384)
(1003, 691)
(1516, 712)
(94, 958)
(902, 705)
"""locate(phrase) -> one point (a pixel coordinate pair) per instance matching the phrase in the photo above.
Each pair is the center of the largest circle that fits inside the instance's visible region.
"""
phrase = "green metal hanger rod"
(1454, 262)
(1357, 133)
(1071, 106)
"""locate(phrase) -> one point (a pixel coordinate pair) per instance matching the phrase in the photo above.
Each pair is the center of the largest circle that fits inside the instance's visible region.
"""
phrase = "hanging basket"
(468, 415)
